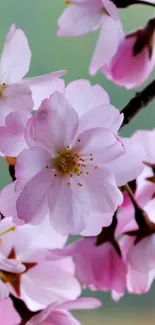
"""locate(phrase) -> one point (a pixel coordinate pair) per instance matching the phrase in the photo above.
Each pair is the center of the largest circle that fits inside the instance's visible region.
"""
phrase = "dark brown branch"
(126, 3)
(140, 101)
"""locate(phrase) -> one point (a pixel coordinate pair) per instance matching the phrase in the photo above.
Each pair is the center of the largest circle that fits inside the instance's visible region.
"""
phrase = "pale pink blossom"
(41, 282)
(59, 314)
(82, 17)
(8, 314)
(67, 162)
(134, 60)
(17, 94)
(94, 111)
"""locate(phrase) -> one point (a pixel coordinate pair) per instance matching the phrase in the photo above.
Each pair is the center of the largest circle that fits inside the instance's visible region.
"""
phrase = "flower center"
(66, 162)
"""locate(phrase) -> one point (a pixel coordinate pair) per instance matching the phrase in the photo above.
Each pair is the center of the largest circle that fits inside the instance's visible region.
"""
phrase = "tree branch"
(140, 101)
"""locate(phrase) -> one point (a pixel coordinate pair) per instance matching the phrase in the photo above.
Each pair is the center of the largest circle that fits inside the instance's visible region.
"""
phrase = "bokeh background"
(38, 18)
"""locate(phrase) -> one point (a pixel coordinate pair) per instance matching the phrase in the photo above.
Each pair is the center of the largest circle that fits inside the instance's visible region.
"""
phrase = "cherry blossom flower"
(94, 111)
(139, 52)
(8, 314)
(59, 313)
(82, 17)
(68, 163)
(41, 282)
(15, 93)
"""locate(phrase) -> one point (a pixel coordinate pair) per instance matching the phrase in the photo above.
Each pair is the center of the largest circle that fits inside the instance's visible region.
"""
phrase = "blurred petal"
(107, 45)
(16, 56)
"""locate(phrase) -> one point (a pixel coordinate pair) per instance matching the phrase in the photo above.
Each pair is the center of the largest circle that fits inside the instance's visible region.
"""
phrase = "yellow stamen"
(7, 231)
(66, 162)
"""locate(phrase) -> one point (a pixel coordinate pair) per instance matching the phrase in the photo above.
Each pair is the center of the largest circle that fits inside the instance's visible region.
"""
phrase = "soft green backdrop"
(38, 18)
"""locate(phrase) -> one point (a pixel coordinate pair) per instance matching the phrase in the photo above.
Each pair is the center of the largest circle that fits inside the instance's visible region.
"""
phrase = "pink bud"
(135, 58)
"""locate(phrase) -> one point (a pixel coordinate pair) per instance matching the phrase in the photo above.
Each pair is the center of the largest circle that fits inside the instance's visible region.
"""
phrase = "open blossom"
(82, 17)
(8, 314)
(134, 59)
(98, 267)
(59, 314)
(41, 282)
(17, 94)
(67, 162)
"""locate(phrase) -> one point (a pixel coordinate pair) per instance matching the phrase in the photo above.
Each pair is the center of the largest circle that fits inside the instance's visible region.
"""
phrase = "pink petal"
(47, 283)
(11, 265)
(67, 217)
(12, 135)
(55, 318)
(146, 138)
(76, 21)
(81, 303)
(8, 314)
(44, 86)
(111, 9)
(33, 208)
(95, 223)
(29, 163)
(101, 143)
(16, 98)
(8, 198)
(54, 124)
(83, 97)
(106, 116)
(4, 293)
(139, 282)
(141, 256)
(128, 166)
(16, 56)
(106, 46)
(98, 192)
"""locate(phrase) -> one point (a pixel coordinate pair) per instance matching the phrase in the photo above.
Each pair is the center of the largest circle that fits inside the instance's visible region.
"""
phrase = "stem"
(140, 215)
(140, 101)
(150, 4)
(12, 172)
(127, 3)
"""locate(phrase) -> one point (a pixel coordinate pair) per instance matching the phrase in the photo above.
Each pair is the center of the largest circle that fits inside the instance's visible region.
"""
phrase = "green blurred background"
(38, 18)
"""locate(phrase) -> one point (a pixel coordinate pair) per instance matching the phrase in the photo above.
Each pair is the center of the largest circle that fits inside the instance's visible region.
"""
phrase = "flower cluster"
(73, 174)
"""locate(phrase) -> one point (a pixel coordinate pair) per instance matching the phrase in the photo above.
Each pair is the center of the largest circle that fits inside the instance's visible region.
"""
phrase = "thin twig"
(140, 101)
